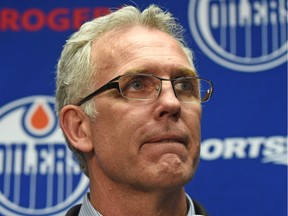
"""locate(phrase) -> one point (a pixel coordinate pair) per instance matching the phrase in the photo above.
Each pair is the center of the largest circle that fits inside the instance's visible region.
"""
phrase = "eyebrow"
(187, 72)
(137, 70)
(181, 71)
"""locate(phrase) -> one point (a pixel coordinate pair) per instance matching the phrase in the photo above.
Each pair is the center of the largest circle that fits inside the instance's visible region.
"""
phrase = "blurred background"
(240, 45)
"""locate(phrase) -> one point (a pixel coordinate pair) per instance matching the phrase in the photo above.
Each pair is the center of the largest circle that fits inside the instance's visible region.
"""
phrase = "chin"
(175, 178)
(175, 170)
(173, 183)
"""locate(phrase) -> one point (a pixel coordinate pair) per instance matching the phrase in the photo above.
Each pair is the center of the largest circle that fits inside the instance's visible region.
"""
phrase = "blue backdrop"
(240, 45)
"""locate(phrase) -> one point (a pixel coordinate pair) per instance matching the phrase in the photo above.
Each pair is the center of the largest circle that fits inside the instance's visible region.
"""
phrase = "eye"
(138, 83)
(139, 86)
(186, 88)
(184, 85)
(135, 84)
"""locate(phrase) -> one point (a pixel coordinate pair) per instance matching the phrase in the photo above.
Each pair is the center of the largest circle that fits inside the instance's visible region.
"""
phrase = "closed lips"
(169, 139)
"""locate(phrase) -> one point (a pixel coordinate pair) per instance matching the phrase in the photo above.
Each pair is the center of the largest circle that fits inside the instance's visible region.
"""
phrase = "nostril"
(177, 114)
(173, 113)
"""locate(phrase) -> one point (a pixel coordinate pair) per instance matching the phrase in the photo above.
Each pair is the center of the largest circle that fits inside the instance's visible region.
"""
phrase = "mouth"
(166, 144)
(177, 139)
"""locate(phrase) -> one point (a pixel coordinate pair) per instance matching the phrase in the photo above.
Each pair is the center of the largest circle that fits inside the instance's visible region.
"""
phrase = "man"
(129, 104)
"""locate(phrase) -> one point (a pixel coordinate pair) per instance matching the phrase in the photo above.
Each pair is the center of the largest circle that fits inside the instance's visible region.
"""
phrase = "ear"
(76, 127)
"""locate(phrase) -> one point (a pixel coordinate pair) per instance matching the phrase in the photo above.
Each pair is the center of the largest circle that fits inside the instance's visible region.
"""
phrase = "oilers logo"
(242, 35)
(38, 175)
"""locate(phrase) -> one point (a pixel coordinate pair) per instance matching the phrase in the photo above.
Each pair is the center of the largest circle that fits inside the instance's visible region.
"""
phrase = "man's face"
(143, 144)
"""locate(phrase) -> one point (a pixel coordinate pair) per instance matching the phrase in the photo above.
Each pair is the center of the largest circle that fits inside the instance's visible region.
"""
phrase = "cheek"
(115, 142)
(115, 129)
(192, 119)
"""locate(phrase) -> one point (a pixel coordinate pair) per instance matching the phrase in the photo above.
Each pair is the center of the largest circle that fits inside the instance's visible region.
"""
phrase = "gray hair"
(74, 69)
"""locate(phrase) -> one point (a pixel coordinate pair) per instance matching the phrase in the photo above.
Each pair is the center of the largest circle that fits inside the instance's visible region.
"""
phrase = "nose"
(167, 104)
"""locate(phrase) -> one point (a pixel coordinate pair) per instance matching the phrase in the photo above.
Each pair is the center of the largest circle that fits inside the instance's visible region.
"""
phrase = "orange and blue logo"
(38, 174)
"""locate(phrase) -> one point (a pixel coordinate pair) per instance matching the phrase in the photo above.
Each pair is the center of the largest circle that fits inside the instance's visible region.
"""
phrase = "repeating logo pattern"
(271, 150)
(242, 35)
(38, 175)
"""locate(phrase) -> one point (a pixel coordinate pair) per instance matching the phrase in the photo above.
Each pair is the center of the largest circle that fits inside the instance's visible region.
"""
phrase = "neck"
(113, 198)
(115, 201)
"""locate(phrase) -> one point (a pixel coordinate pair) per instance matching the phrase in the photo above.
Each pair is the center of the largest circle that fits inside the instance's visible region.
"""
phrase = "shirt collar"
(88, 210)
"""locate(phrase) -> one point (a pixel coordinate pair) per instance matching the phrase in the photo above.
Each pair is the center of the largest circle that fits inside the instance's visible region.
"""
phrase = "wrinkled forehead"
(139, 49)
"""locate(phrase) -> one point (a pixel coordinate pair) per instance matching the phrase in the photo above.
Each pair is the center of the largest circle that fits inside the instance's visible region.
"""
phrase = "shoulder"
(74, 211)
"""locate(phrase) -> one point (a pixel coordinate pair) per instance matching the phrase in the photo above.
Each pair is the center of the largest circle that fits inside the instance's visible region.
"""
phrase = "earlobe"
(75, 125)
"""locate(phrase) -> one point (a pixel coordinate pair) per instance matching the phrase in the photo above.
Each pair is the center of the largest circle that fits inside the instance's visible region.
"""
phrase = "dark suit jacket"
(199, 209)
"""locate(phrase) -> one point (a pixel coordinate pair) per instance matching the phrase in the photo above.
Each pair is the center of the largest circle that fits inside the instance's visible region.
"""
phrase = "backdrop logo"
(57, 19)
(242, 35)
(38, 175)
(269, 149)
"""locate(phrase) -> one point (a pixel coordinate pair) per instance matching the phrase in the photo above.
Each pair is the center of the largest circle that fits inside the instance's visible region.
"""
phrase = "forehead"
(138, 49)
